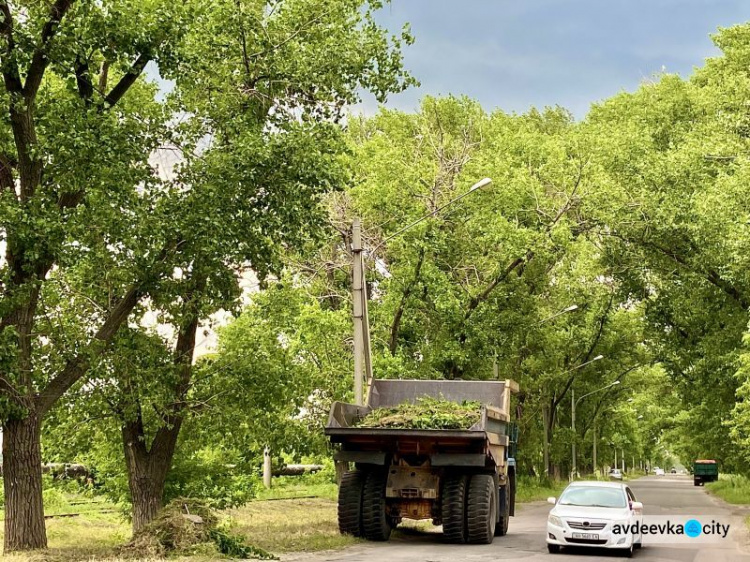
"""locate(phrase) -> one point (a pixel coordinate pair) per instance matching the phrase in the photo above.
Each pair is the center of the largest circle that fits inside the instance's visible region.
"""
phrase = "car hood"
(606, 513)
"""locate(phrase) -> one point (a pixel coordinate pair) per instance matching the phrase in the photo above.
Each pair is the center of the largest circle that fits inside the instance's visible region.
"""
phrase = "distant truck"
(705, 470)
(462, 479)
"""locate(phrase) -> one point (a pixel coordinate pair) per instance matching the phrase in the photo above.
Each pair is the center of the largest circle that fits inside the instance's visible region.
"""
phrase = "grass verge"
(731, 488)
(529, 489)
(272, 522)
(297, 514)
(308, 524)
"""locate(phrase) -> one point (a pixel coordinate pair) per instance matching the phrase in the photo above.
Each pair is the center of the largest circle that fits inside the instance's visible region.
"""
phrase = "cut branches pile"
(185, 525)
(426, 413)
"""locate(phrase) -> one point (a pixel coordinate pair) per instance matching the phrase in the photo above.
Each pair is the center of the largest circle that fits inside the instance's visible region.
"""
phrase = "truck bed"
(480, 444)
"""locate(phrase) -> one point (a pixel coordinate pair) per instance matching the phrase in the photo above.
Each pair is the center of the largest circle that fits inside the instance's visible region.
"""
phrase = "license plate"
(588, 536)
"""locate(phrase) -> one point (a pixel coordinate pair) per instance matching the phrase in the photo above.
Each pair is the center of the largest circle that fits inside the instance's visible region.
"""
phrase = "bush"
(213, 474)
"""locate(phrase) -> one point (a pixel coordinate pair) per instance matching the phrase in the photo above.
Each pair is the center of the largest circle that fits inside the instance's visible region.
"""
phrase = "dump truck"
(463, 479)
(705, 470)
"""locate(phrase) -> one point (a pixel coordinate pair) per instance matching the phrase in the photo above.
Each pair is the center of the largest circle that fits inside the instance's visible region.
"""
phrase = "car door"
(636, 516)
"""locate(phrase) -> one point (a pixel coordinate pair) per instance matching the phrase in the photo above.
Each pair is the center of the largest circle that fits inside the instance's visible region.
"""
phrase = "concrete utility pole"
(594, 455)
(362, 353)
(573, 427)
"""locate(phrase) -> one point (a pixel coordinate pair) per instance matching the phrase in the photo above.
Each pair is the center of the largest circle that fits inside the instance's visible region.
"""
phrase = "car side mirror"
(551, 500)
(636, 506)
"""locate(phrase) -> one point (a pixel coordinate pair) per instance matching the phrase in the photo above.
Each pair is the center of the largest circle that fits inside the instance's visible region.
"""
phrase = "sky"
(515, 54)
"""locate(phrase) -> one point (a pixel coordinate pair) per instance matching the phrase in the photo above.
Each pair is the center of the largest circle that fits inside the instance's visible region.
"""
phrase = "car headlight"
(555, 520)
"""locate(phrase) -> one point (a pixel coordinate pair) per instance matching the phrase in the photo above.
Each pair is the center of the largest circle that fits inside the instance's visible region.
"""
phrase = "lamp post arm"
(597, 390)
(478, 185)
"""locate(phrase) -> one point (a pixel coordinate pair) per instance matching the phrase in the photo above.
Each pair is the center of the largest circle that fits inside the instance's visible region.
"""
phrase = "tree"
(76, 135)
(260, 99)
(670, 214)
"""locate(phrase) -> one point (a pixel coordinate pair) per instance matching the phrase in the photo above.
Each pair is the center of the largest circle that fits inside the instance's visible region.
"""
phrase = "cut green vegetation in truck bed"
(426, 413)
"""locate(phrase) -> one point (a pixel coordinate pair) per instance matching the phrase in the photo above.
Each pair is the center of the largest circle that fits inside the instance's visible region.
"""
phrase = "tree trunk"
(22, 480)
(148, 466)
(147, 470)
(147, 493)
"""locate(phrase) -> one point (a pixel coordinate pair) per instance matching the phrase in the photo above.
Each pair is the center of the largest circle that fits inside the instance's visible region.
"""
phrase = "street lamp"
(571, 308)
(574, 403)
(362, 352)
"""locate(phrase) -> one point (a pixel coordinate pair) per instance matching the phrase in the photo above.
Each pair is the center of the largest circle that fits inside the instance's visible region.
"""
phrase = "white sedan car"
(595, 514)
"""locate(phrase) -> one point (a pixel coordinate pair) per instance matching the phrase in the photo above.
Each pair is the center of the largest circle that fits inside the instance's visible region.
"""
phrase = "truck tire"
(453, 507)
(376, 525)
(501, 527)
(350, 503)
(481, 509)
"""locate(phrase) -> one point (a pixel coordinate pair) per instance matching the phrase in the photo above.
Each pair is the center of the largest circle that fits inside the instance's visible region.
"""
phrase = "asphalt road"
(661, 495)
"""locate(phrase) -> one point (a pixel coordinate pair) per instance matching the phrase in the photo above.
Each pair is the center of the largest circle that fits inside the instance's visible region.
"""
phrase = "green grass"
(80, 538)
(290, 525)
(529, 489)
(290, 487)
(270, 522)
(731, 488)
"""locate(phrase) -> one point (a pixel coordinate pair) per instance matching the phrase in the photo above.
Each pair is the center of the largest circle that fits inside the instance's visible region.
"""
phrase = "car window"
(631, 496)
(593, 496)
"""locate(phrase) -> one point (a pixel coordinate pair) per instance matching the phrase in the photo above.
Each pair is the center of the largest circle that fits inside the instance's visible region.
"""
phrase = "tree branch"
(83, 80)
(484, 295)
(103, 76)
(122, 87)
(40, 60)
(77, 367)
(7, 388)
(396, 325)
(709, 275)
(9, 66)
(7, 181)
(585, 357)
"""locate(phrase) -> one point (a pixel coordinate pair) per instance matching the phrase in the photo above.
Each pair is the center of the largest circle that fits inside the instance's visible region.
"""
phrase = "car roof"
(596, 484)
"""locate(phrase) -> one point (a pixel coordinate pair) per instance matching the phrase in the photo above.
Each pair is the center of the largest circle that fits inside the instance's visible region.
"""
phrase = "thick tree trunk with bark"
(147, 469)
(22, 479)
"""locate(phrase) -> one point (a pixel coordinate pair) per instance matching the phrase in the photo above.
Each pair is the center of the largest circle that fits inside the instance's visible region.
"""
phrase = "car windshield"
(593, 496)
